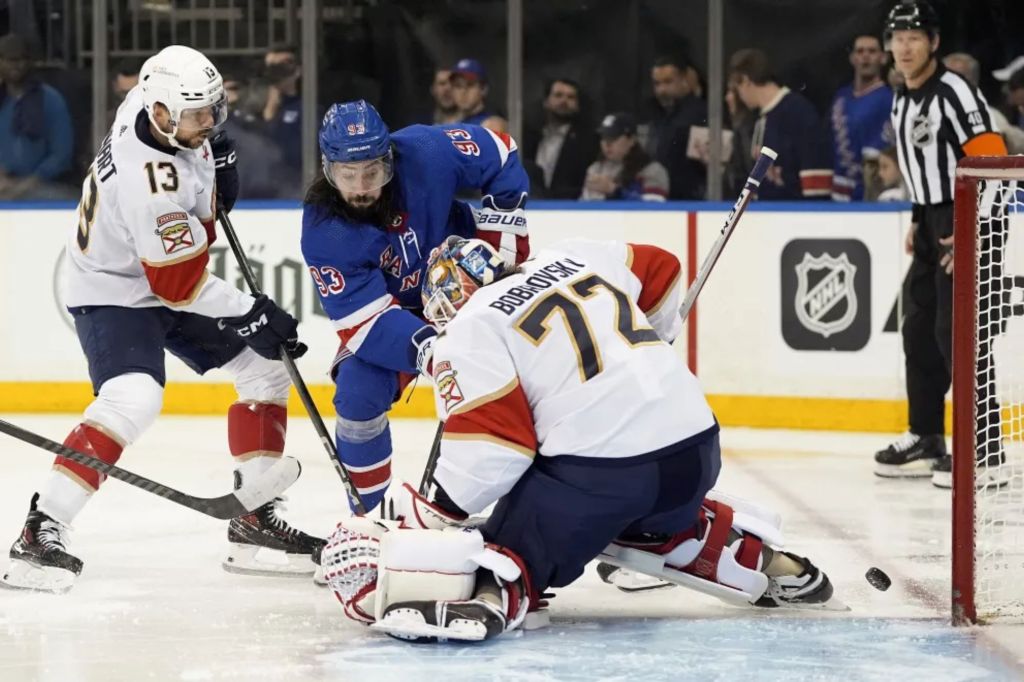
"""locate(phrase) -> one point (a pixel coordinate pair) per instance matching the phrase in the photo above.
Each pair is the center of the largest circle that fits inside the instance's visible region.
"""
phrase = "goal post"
(988, 391)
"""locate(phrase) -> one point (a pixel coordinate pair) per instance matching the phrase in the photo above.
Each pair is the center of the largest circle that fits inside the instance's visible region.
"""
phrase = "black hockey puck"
(878, 579)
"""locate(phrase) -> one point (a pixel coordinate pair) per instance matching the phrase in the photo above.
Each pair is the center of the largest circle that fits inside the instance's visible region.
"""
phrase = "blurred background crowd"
(608, 99)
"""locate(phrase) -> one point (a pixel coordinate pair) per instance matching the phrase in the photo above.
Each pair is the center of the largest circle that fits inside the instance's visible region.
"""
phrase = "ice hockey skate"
(262, 543)
(39, 558)
(991, 473)
(809, 589)
(910, 456)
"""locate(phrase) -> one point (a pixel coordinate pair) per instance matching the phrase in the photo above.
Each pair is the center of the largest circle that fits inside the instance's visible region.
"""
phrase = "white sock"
(62, 497)
(254, 466)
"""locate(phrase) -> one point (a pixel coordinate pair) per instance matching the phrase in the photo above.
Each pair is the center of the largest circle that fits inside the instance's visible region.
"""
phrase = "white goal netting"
(999, 401)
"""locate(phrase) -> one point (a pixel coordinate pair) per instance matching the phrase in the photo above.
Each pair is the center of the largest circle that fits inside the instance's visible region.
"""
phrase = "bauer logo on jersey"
(448, 388)
(826, 297)
(177, 236)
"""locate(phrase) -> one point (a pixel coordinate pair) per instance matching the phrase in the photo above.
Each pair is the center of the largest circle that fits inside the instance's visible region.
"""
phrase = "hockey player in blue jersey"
(369, 223)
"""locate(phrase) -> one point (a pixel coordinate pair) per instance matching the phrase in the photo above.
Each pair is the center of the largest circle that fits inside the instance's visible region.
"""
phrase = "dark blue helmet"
(353, 131)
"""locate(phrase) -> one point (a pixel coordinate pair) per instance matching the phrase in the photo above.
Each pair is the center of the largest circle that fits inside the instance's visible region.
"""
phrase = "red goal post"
(988, 391)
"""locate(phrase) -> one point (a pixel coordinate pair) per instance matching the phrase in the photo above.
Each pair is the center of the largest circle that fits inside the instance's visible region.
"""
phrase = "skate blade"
(21, 575)
(253, 560)
(630, 581)
(411, 626)
(921, 468)
(535, 620)
(833, 604)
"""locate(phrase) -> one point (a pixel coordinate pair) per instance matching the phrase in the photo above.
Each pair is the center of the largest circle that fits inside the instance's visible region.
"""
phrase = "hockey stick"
(435, 452)
(293, 372)
(764, 161)
(252, 495)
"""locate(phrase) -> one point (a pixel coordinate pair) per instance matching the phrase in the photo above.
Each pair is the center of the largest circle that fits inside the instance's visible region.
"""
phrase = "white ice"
(154, 604)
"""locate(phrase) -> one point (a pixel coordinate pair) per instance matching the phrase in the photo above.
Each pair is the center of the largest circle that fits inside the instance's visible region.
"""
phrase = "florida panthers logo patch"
(447, 387)
(176, 236)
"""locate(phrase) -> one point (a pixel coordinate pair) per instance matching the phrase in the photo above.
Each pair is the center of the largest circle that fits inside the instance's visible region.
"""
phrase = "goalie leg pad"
(710, 556)
(370, 567)
(729, 560)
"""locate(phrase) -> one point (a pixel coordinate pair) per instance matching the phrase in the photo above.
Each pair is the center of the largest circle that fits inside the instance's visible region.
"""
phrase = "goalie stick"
(252, 495)
(764, 161)
(293, 373)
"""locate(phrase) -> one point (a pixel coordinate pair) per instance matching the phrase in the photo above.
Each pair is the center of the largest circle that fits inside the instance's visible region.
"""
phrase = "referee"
(938, 118)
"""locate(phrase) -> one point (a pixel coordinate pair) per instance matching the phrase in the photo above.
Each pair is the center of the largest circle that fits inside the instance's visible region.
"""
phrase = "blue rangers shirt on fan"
(860, 128)
(369, 276)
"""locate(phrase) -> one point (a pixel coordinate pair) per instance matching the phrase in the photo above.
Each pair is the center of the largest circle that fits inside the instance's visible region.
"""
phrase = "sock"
(70, 485)
(256, 434)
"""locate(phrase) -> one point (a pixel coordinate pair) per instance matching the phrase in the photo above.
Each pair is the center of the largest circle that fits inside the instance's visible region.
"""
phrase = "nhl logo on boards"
(816, 306)
(826, 294)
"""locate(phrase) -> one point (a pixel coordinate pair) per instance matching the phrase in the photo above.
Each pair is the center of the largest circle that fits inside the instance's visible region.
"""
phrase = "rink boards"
(796, 327)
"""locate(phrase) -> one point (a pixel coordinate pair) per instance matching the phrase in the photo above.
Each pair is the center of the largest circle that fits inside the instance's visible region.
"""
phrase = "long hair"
(636, 160)
(322, 193)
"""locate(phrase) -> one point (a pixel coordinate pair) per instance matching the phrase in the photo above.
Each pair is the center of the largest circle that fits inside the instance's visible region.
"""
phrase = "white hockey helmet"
(189, 85)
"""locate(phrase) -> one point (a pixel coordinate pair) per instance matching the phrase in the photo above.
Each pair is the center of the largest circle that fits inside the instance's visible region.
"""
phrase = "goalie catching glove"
(425, 585)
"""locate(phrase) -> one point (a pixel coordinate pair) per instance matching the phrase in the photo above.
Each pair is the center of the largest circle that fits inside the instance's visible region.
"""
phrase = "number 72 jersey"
(569, 357)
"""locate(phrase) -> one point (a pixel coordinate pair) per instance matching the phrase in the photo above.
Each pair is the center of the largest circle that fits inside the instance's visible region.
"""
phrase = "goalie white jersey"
(568, 357)
(145, 222)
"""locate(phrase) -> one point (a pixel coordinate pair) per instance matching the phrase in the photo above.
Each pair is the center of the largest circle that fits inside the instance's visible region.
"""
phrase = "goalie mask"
(455, 270)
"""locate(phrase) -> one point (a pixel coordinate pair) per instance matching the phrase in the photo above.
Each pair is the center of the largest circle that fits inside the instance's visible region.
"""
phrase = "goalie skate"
(810, 590)
(428, 621)
(39, 560)
(262, 543)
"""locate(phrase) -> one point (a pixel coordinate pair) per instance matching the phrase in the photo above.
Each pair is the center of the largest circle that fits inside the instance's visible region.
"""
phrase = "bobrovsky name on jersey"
(544, 278)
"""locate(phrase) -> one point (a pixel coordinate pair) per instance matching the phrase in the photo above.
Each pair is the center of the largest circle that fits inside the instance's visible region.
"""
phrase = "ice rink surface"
(154, 604)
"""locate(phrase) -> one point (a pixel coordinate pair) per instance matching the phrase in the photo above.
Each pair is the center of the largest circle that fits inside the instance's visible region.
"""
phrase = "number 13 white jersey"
(568, 357)
(144, 225)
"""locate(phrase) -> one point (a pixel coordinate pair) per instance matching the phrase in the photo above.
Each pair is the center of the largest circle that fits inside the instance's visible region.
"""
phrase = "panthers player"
(137, 285)
(368, 225)
(566, 405)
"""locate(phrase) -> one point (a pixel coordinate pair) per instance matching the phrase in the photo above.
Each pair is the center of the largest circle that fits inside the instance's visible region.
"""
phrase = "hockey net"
(988, 391)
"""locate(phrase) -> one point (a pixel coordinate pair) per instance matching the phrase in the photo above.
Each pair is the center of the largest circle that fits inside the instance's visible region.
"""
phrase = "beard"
(561, 117)
(365, 208)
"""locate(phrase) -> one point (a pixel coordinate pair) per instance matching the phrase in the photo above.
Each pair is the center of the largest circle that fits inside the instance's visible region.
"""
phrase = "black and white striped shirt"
(932, 125)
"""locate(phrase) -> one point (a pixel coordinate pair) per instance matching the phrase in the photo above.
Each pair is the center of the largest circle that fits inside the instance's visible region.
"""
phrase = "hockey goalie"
(564, 403)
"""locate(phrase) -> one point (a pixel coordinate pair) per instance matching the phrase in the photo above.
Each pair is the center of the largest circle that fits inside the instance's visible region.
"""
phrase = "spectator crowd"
(659, 152)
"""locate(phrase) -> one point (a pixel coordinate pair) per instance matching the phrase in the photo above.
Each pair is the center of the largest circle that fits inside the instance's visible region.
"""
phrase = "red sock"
(89, 441)
(256, 429)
